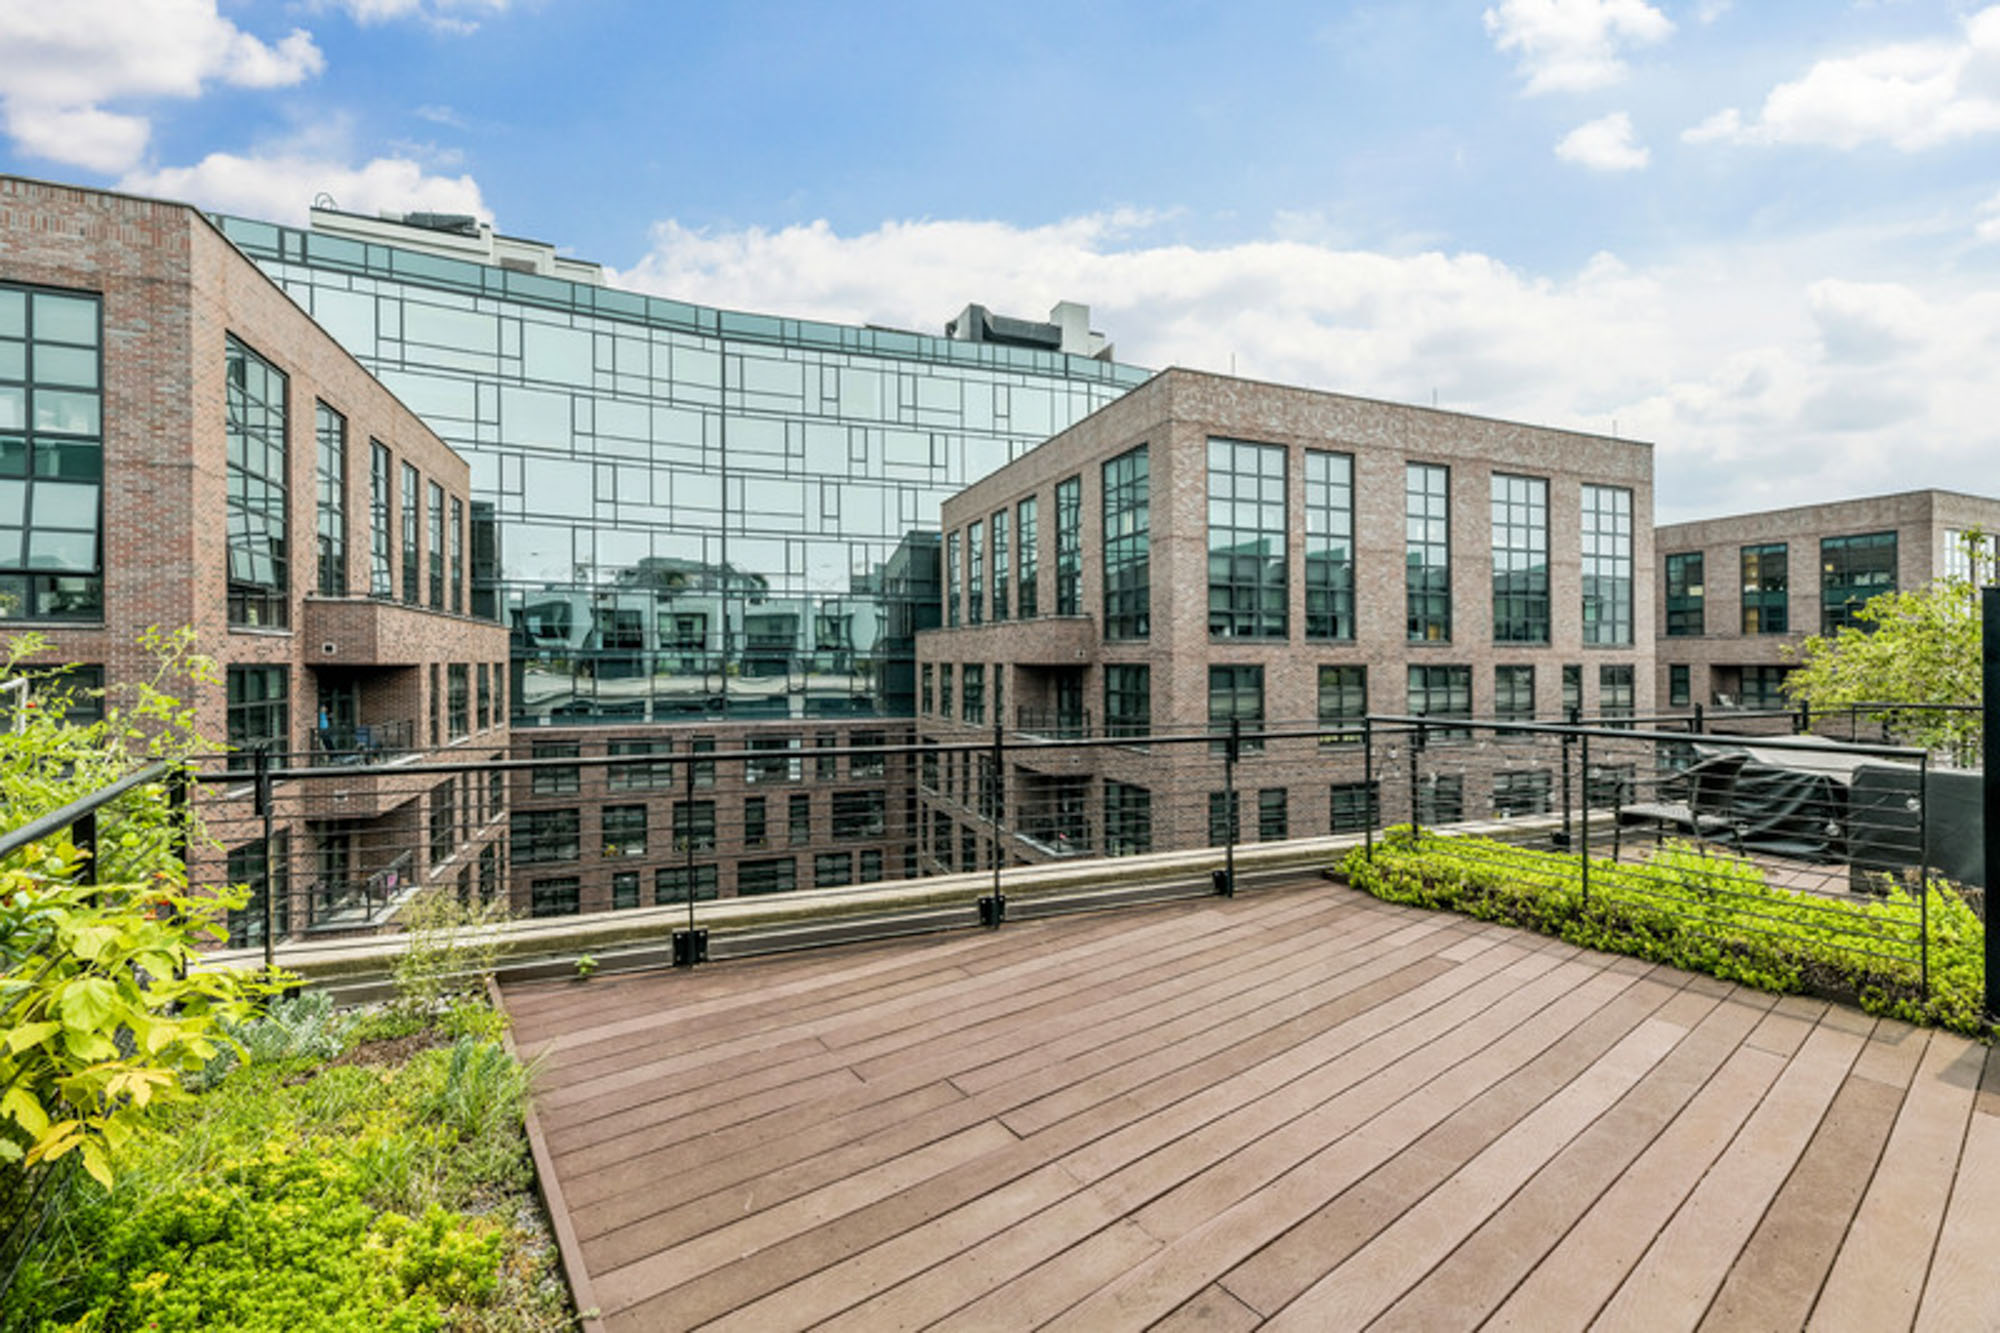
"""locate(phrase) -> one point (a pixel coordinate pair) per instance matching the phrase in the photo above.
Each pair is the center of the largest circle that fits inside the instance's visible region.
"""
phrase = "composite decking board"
(1962, 1289)
(1350, 1108)
(716, 1193)
(935, 1065)
(1396, 1259)
(704, 1039)
(1238, 1155)
(1492, 1260)
(1681, 1271)
(768, 1179)
(1878, 1276)
(1209, 1122)
(895, 1022)
(1282, 1270)
(1777, 1277)
(1210, 1231)
(1573, 1281)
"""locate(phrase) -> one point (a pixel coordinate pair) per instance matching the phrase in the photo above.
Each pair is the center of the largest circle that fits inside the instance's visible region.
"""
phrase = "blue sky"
(1765, 237)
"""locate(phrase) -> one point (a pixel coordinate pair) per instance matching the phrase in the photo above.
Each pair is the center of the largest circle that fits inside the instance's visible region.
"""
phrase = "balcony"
(362, 743)
(368, 632)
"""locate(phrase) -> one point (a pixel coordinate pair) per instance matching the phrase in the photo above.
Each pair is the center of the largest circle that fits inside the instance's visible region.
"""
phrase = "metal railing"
(362, 743)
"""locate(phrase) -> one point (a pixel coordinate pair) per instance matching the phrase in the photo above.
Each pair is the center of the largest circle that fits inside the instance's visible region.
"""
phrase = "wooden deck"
(1300, 1109)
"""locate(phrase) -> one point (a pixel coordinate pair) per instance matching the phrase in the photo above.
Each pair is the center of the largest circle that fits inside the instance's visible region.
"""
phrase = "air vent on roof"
(518, 265)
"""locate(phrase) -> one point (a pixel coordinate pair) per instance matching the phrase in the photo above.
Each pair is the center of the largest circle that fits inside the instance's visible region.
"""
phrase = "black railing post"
(261, 768)
(83, 837)
(1563, 837)
(1232, 750)
(1990, 664)
(1804, 722)
(1416, 774)
(691, 945)
(1700, 718)
(1583, 827)
(1924, 874)
(1368, 801)
(998, 911)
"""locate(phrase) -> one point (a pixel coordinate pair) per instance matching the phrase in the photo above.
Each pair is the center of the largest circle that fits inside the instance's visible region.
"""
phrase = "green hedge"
(1705, 910)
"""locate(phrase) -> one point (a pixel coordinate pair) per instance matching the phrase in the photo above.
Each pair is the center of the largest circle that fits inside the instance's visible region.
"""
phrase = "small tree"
(1913, 647)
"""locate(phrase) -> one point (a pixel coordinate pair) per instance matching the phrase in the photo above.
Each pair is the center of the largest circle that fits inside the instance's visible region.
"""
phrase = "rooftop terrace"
(1299, 1108)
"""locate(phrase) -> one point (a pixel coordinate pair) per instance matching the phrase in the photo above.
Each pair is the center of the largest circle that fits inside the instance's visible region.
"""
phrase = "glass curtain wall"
(668, 470)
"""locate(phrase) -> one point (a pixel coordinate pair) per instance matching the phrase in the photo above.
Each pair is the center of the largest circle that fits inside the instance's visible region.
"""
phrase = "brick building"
(180, 444)
(1739, 594)
(1209, 548)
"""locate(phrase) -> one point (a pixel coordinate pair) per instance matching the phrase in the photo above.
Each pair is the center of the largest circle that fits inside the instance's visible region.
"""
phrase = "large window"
(1069, 547)
(1000, 570)
(435, 513)
(975, 573)
(1029, 530)
(1764, 686)
(51, 456)
(269, 879)
(331, 429)
(1353, 806)
(1680, 687)
(1687, 602)
(555, 779)
(554, 897)
(259, 712)
(1329, 545)
(1607, 564)
(546, 835)
(1766, 589)
(259, 556)
(1128, 700)
(1128, 578)
(1427, 551)
(1523, 792)
(458, 695)
(639, 776)
(676, 884)
(973, 691)
(624, 828)
(1236, 695)
(1614, 690)
(1128, 819)
(953, 590)
(1852, 570)
(1274, 820)
(1442, 691)
(859, 814)
(1514, 696)
(1246, 540)
(381, 559)
(1343, 702)
(694, 826)
(1520, 559)
(444, 799)
(411, 548)
(457, 555)
(779, 875)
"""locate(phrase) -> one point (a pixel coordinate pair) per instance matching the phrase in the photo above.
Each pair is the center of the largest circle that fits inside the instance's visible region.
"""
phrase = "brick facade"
(1175, 415)
(173, 291)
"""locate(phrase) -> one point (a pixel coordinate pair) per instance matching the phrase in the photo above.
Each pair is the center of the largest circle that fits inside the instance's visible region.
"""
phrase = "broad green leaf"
(26, 1111)
(96, 1162)
(88, 1003)
(30, 1034)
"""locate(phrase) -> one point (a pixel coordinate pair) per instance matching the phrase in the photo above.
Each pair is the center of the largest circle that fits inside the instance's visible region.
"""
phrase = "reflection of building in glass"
(681, 511)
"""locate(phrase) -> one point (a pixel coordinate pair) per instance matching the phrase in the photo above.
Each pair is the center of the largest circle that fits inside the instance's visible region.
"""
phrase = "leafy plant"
(1708, 911)
(102, 1002)
(448, 952)
(585, 965)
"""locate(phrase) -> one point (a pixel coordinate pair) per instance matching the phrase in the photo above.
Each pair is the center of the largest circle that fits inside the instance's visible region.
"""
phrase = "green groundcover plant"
(299, 1192)
(1706, 910)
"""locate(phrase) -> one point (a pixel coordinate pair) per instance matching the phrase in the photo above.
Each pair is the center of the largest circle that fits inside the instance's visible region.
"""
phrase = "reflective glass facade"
(662, 483)
(51, 455)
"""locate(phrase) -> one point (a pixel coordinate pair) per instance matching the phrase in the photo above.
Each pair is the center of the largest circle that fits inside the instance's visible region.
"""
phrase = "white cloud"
(1988, 228)
(449, 15)
(1761, 378)
(1911, 95)
(1574, 45)
(66, 59)
(1604, 144)
(281, 186)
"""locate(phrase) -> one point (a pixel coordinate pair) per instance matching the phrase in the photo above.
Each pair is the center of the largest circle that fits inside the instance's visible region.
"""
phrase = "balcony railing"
(362, 743)
(1053, 723)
